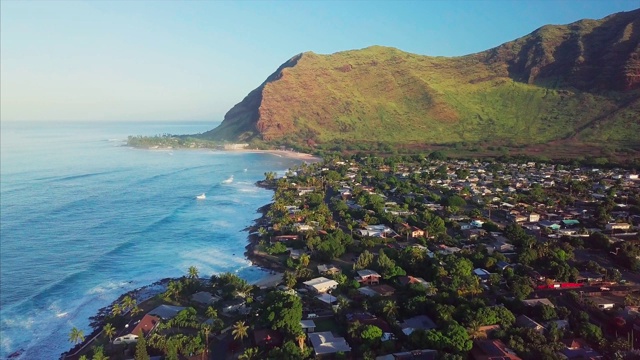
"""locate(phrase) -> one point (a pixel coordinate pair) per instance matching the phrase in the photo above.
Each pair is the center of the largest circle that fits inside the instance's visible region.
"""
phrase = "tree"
(455, 201)
(251, 354)
(364, 260)
(290, 279)
(76, 336)
(304, 260)
(370, 334)
(193, 272)
(240, 330)
(206, 330)
(390, 309)
(116, 309)
(211, 312)
(109, 330)
(141, 348)
(98, 354)
(282, 311)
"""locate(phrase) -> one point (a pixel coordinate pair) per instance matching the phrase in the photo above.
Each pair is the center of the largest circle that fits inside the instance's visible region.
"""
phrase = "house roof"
(325, 343)
(383, 290)
(493, 350)
(166, 312)
(307, 324)
(367, 272)
(146, 325)
(320, 282)
(535, 302)
(416, 323)
(204, 297)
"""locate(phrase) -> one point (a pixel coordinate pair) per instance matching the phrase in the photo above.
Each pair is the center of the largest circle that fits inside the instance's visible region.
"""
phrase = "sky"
(193, 60)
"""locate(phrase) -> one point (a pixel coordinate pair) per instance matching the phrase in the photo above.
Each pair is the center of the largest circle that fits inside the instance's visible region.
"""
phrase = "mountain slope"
(579, 81)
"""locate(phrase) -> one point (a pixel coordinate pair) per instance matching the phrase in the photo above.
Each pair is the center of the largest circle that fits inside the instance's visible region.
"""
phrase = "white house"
(325, 343)
(321, 285)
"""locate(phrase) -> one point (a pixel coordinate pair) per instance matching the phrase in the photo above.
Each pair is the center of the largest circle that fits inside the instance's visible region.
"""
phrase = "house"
(536, 302)
(578, 349)
(324, 343)
(328, 269)
(534, 217)
(237, 304)
(420, 322)
(617, 226)
(367, 291)
(166, 312)
(408, 280)
(320, 285)
(267, 338)
(299, 227)
(602, 303)
(383, 290)
(482, 274)
(147, 324)
(502, 265)
(368, 277)
(411, 355)
(500, 245)
(527, 322)
(416, 232)
(284, 238)
(308, 326)
(492, 350)
(205, 298)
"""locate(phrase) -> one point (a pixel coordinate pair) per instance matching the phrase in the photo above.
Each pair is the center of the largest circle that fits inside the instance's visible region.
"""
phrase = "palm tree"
(193, 272)
(250, 354)
(128, 302)
(174, 288)
(354, 329)
(304, 260)
(390, 309)
(116, 310)
(211, 312)
(135, 311)
(109, 330)
(76, 336)
(343, 303)
(301, 337)
(240, 330)
(206, 330)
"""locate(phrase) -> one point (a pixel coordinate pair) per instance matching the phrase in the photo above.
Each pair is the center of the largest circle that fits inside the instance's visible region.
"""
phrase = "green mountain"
(569, 84)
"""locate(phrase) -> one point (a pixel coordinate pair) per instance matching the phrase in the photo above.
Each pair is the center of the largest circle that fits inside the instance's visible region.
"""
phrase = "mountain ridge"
(579, 81)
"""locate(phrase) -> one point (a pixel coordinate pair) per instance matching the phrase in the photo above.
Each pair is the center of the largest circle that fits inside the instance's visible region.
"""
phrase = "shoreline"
(280, 153)
(148, 292)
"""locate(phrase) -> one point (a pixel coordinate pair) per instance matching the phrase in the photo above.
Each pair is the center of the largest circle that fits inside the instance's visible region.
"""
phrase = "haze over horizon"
(155, 61)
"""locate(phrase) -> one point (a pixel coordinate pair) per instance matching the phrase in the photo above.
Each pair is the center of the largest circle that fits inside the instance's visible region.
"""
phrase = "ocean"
(84, 219)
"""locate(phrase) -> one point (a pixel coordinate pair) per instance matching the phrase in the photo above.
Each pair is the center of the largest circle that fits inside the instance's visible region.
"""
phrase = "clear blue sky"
(193, 60)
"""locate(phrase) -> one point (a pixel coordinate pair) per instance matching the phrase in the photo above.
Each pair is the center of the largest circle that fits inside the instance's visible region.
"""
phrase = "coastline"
(147, 293)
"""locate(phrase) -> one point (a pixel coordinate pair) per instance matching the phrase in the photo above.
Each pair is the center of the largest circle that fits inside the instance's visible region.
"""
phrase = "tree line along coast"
(415, 256)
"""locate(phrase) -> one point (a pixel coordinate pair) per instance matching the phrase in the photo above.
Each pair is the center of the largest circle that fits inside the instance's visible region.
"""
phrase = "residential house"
(205, 298)
(525, 321)
(534, 217)
(368, 277)
(321, 285)
(166, 312)
(308, 326)
(482, 274)
(408, 280)
(492, 350)
(383, 290)
(424, 354)
(602, 303)
(147, 324)
(325, 343)
(237, 304)
(420, 322)
(578, 349)
(329, 269)
(536, 302)
(617, 226)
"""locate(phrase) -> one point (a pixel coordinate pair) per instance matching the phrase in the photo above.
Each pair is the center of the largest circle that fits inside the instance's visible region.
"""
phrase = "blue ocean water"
(84, 219)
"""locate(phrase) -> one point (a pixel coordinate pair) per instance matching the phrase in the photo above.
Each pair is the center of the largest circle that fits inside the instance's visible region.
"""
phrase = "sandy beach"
(282, 153)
